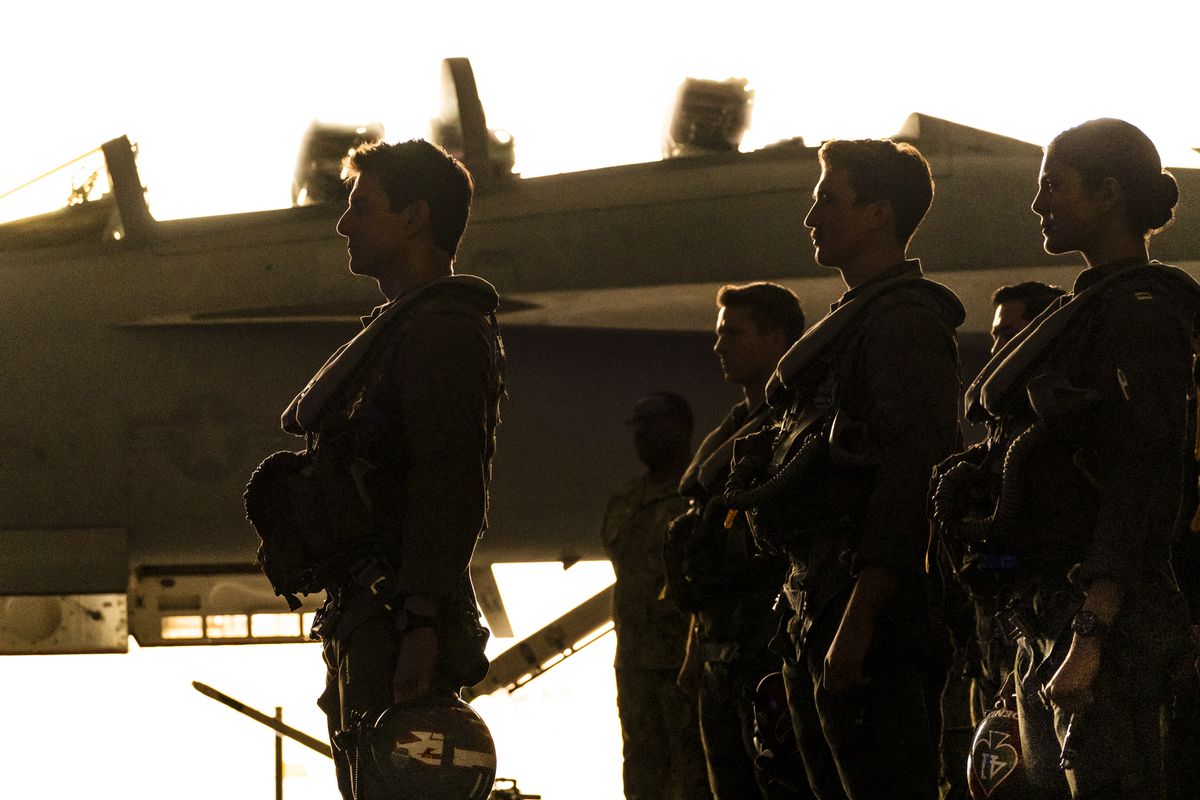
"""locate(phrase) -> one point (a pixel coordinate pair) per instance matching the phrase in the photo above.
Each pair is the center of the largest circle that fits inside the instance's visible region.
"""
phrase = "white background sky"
(132, 727)
(218, 93)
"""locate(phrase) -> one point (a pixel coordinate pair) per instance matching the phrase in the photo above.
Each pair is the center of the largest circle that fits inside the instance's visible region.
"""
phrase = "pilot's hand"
(1071, 687)
(416, 664)
(844, 660)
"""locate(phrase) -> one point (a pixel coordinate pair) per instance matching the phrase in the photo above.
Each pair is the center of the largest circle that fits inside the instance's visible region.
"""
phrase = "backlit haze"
(217, 96)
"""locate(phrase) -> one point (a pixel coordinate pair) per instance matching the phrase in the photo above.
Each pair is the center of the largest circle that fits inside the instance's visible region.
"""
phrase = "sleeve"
(442, 385)
(615, 513)
(1136, 447)
(910, 365)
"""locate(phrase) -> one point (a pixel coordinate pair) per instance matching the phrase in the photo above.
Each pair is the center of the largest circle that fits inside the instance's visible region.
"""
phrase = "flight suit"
(1182, 759)
(885, 364)
(411, 427)
(1103, 480)
(730, 589)
(661, 742)
(972, 603)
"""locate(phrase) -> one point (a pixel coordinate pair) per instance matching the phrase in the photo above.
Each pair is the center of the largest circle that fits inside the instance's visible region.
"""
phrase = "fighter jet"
(144, 363)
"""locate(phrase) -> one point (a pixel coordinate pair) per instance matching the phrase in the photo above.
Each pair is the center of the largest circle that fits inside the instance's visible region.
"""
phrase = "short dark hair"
(677, 408)
(772, 307)
(1113, 148)
(881, 169)
(419, 170)
(1036, 296)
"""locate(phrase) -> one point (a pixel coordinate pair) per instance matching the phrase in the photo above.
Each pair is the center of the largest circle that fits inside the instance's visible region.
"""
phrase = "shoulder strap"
(807, 364)
(1009, 370)
(379, 347)
(707, 472)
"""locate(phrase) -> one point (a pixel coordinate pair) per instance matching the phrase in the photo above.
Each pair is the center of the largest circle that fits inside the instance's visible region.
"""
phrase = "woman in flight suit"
(1091, 402)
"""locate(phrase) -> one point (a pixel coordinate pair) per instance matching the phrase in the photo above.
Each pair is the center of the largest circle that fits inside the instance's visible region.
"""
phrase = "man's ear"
(779, 341)
(882, 215)
(415, 217)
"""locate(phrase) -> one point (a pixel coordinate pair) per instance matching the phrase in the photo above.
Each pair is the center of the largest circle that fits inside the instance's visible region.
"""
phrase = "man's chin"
(1055, 247)
(359, 269)
(824, 259)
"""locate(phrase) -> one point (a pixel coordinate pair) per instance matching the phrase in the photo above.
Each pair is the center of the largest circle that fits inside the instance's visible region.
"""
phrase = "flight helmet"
(996, 767)
(777, 755)
(434, 748)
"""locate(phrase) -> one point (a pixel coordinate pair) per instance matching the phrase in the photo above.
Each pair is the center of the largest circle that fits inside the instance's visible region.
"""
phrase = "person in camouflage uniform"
(662, 753)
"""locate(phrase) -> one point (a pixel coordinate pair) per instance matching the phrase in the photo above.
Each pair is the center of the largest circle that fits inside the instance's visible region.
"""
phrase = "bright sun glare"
(217, 102)
(135, 728)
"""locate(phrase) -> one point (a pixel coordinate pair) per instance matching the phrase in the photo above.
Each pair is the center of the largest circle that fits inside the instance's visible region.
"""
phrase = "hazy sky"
(218, 94)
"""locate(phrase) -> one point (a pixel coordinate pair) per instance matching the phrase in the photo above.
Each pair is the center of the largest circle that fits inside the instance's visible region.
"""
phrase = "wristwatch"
(407, 620)
(1086, 623)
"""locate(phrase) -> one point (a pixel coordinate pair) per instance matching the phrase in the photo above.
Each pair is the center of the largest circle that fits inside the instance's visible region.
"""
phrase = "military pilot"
(984, 658)
(1017, 306)
(400, 425)
(1093, 405)
(871, 394)
(662, 755)
(715, 573)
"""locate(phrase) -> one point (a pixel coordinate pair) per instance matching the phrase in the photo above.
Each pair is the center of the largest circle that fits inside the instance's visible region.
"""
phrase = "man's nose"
(1038, 206)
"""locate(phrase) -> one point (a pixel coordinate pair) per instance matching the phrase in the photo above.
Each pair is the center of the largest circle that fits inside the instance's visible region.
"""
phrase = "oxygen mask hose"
(741, 493)
(751, 454)
(949, 504)
(1014, 488)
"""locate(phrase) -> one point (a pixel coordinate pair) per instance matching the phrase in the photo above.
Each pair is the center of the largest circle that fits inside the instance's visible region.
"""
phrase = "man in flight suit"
(715, 573)
(400, 424)
(1016, 307)
(984, 656)
(873, 391)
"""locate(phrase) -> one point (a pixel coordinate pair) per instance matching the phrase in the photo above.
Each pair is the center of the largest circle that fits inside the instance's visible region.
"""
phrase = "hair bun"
(1166, 196)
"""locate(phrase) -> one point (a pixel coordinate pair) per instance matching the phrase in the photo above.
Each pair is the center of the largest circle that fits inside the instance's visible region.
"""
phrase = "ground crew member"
(663, 759)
